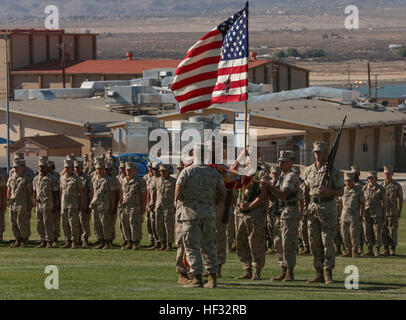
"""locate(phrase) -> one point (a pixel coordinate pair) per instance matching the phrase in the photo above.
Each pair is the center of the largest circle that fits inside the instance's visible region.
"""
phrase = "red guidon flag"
(215, 69)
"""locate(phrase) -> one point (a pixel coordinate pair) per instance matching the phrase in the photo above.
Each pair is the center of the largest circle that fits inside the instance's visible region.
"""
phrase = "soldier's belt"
(321, 200)
(283, 204)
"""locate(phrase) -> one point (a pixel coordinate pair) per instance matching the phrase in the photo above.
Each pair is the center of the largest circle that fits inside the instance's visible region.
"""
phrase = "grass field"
(116, 274)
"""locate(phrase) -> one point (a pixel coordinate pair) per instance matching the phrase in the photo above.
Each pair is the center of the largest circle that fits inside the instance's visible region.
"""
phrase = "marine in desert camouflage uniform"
(56, 212)
(323, 216)
(375, 206)
(394, 204)
(3, 202)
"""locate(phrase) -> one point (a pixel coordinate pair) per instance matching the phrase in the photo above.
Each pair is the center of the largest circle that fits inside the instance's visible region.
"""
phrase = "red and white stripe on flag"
(206, 77)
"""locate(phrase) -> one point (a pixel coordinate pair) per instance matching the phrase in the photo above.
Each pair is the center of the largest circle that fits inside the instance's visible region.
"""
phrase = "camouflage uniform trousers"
(45, 223)
(107, 220)
(250, 236)
(270, 225)
(390, 230)
(180, 267)
(2, 222)
(304, 230)
(132, 221)
(231, 227)
(350, 231)
(120, 211)
(199, 238)
(165, 224)
(97, 224)
(153, 225)
(71, 223)
(322, 223)
(20, 219)
(338, 241)
(84, 226)
(221, 235)
(150, 226)
(57, 224)
(285, 237)
(373, 227)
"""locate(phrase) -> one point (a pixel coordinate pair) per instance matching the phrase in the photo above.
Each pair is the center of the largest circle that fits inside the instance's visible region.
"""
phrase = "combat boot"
(55, 244)
(49, 245)
(16, 244)
(124, 245)
(151, 244)
(306, 251)
(85, 243)
(233, 247)
(67, 244)
(24, 243)
(129, 245)
(369, 253)
(282, 275)
(183, 279)
(377, 254)
(393, 251)
(354, 253)
(361, 250)
(107, 245)
(101, 245)
(301, 251)
(328, 276)
(218, 274)
(256, 275)
(73, 245)
(156, 246)
(136, 245)
(346, 254)
(385, 252)
(163, 246)
(98, 242)
(43, 244)
(211, 282)
(246, 275)
(169, 248)
(289, 275)
(338, 250)
(197, 282)
(318, 279)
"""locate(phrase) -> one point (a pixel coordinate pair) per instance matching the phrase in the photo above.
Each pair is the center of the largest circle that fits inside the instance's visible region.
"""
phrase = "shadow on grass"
(301, 285)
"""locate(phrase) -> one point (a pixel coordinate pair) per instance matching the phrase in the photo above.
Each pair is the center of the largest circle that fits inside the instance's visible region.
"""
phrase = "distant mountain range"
(16, 10)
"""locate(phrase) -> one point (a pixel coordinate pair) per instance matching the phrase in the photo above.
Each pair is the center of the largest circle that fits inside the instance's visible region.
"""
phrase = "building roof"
(108, 66)
(78, 112)
(266, 133)
(306, 114)
(41, 31)
(48, 142)
(287, 64)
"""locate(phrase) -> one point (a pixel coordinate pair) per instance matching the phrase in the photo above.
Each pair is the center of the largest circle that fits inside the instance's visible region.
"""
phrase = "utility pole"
(349, 80)
(7, 104)
(369, 80)
(63, 62)
(376, 90)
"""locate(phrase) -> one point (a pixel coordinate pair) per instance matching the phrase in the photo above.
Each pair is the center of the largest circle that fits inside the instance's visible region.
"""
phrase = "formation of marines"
(203, 213)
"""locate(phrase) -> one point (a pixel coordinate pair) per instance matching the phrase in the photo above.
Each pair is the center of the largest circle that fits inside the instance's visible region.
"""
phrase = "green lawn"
(116, 274)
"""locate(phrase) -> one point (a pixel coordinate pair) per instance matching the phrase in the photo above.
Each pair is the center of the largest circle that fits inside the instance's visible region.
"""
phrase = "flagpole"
(246, 101)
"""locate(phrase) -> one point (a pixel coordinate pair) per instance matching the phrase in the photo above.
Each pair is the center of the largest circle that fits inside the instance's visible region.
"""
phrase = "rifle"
(332, 155)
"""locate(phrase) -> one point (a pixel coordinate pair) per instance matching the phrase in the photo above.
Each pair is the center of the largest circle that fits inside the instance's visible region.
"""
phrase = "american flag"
(215, 69)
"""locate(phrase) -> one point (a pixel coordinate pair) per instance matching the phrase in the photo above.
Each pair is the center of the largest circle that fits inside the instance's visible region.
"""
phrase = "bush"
(279, 54)
(292, 52)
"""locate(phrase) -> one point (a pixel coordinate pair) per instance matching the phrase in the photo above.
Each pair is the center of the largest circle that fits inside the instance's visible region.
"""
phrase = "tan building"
(371, 138)
(29, 47)
(51, 146)
(82, 120)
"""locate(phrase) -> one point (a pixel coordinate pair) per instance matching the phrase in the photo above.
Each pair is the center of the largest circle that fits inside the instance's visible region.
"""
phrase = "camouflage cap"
(275, 169)
(349, 176)
(67, 163)
(51, 164)
(18, 163)
(286, 156)
(372, 174)
(163, 167)
(99, 163)
(388, 169)
(131, 165)
(122, 164)
(19, 155)
(71, 157)
(356, 170)
(42, 163)
(78, 164)
(155, 165)
(320, 146)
